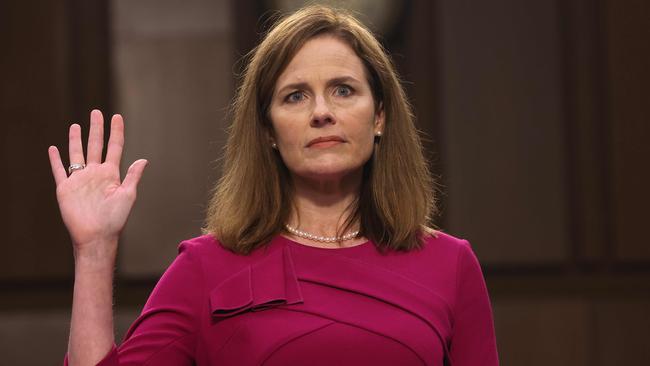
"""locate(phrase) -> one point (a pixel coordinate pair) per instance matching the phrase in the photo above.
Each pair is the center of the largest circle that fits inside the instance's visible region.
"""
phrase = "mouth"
(325, 141)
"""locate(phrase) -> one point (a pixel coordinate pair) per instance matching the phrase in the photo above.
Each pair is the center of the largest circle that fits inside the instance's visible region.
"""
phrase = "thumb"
(134, 174)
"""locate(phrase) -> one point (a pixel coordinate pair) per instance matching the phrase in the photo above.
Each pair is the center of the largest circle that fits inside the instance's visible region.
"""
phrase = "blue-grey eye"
(343, 91)
(295, 97)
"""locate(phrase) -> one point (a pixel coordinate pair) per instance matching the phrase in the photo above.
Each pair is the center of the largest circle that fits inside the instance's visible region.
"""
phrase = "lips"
(325, 141)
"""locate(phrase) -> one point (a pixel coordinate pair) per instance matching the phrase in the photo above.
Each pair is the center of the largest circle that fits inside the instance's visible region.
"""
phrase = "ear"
(379, 119)
(270, 137)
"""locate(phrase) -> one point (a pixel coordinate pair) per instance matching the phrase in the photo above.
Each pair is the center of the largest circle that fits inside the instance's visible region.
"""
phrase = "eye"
(294, 97)
(343, 91)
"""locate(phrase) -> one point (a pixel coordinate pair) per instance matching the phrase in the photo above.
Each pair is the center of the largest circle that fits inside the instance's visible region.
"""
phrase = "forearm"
(91, 328)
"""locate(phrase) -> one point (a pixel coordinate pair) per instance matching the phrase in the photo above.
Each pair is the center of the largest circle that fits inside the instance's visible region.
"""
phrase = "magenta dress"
(292, 304)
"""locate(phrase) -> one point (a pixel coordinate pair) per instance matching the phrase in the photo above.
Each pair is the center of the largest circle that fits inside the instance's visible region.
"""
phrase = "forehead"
(322, 57)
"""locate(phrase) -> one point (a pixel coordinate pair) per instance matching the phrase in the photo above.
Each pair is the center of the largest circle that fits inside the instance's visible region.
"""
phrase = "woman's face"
(323, 112)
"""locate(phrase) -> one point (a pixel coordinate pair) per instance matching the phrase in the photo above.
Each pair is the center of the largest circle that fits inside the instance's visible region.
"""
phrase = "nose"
(322, 113)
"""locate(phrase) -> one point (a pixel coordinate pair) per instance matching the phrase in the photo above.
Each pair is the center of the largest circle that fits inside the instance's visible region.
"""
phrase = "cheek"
(289, 137)
(284, 127)
(368, 146)
(283, 135)
(364, 130)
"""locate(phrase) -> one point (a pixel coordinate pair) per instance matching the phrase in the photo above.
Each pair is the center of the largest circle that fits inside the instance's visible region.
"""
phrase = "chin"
(329, 172)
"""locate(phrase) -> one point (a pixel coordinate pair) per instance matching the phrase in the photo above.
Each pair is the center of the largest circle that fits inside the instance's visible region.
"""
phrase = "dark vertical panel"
(585, 106)
(248, 25)
(32, 106)
(45, 78)
(89, 61)
(420, 67)
(628, 57)
(502, 120)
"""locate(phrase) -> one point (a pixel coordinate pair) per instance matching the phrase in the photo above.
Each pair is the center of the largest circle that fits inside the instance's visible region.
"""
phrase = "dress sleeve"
(165, 333)
(473, 341)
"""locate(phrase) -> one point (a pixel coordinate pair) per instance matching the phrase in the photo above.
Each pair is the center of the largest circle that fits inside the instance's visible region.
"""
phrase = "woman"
(315, 247)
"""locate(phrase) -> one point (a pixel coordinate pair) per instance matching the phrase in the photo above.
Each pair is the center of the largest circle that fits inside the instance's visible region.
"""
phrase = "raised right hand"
(94, 202)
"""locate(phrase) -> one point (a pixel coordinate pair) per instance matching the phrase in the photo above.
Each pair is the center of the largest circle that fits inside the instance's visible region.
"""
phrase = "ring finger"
(75, 148)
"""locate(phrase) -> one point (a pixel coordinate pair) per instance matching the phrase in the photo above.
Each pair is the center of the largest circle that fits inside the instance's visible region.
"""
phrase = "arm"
(473, 342)
(94, 205)
(91, 326)
(166, 331)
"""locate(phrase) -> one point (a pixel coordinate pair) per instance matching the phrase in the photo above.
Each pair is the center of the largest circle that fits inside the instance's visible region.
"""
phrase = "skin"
(94, 204)
(324, 92)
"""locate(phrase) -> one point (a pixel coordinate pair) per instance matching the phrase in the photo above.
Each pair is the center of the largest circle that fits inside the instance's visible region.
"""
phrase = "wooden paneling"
(622, 332)
(537, 111)
(543, 331)
(573, 329)
(39, 94)
(628, 57)
(502, 128)
(585, 118)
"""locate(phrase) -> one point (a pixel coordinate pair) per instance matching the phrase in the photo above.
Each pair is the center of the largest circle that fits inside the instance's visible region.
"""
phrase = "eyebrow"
(331, 82)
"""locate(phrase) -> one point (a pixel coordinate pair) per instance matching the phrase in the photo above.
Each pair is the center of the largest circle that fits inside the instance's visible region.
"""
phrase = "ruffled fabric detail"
(268, 283)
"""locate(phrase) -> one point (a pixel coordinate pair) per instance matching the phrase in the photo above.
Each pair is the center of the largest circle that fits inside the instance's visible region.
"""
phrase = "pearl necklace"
(324, 239)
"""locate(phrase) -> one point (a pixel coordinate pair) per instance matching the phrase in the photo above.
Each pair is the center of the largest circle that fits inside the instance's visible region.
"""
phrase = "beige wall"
(173, 80)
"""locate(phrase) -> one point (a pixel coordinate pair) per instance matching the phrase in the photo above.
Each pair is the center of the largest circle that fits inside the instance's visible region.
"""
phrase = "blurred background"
(536, 120)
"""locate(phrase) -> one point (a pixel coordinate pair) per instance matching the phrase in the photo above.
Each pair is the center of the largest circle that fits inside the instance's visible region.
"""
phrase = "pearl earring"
(274, 145)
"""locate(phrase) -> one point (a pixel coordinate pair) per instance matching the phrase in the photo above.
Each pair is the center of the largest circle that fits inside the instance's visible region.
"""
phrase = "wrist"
(100, 252)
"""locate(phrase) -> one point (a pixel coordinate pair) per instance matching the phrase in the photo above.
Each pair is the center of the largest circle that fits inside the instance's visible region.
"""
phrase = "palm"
(94, 203)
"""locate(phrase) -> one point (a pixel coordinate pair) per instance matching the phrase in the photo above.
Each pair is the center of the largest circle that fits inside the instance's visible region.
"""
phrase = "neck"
(321, 207)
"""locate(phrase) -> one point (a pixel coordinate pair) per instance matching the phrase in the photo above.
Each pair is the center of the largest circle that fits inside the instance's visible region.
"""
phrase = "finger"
(95, 137)
(75, 150)
(58, 171)
(134, 174)
(115, 141)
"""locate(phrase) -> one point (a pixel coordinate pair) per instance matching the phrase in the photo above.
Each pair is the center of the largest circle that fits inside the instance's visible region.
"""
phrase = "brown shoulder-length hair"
(253, 199)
